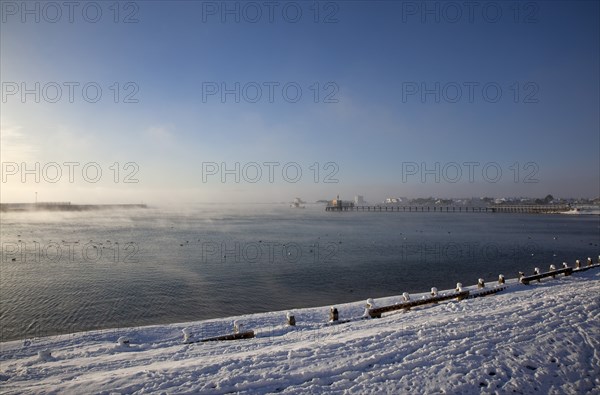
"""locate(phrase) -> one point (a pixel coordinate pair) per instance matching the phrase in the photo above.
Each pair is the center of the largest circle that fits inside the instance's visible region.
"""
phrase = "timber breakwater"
(64, 206)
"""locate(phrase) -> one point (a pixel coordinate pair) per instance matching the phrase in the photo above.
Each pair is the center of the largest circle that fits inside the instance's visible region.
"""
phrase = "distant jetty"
(528, 209)
(64, 206)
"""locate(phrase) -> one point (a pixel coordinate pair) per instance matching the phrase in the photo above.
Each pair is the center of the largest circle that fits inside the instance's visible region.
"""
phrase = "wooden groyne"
(525, 209)
(434, 298)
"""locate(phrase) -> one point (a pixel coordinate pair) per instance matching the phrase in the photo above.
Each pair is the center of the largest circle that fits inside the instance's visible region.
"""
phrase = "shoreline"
(529, 338)
(354, 310)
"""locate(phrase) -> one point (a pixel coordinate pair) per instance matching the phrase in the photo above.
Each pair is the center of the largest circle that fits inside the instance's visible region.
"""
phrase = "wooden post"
(565, 265)
(290, 319)
(459, 287)
(370, 306)
(333, 314)
(553, 268)
(480, 283)
(589, 260)
(237, 327)
(186, 334)
(370, 303)
(537, 271)
(521, 275)
(406, 297)
(434, 291)
(577, 264)
(501, 279)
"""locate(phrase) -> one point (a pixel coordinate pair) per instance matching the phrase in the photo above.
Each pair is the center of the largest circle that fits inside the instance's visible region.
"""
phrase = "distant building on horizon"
(395, 200)
(337, 202)
(359, 199)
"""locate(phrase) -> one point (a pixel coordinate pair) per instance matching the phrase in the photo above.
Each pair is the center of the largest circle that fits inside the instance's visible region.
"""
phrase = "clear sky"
(393, 96)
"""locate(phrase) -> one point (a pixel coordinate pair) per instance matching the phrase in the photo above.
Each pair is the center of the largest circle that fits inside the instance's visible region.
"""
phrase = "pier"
(407, 209)
(525, 209)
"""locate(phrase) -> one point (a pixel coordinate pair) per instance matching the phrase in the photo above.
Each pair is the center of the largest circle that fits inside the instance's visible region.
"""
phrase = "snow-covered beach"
(538, 338)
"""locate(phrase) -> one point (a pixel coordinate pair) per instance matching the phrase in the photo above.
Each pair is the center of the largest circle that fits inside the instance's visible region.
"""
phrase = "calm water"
(65, 272)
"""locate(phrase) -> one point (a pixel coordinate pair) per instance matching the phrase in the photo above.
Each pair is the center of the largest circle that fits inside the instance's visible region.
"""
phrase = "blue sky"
(544, 60)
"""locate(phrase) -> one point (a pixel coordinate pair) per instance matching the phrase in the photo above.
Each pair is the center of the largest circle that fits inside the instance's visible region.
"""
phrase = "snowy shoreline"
(528, 338)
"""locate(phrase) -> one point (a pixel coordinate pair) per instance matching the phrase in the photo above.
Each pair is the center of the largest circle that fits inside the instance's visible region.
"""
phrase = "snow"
(539, 338)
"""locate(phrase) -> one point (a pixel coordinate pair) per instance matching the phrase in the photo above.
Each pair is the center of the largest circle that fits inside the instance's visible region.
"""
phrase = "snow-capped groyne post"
(567, 271)
(237, 327)
(290, 319)
(590, 265)
(370, 304)
(480, 283)
(333, 314)
(123, 341)
(501, 279)
(186, 334)
(407, 303)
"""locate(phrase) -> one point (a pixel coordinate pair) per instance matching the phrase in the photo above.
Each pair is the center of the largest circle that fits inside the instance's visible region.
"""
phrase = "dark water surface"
(66, 272)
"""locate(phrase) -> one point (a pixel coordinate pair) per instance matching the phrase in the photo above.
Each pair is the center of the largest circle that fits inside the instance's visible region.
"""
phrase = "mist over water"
(66, 272)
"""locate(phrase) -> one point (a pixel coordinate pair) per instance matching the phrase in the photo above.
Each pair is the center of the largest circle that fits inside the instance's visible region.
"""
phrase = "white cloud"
(160, 134)
(15, 146)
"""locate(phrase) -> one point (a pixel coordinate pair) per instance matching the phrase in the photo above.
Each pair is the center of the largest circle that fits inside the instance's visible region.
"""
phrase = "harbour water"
(64, 272)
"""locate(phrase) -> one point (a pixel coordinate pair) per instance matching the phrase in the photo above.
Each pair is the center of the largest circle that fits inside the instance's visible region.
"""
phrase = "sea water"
(64, 272)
